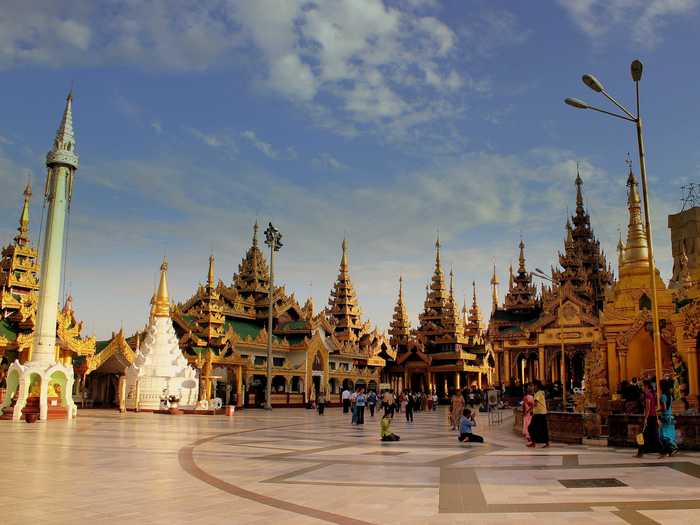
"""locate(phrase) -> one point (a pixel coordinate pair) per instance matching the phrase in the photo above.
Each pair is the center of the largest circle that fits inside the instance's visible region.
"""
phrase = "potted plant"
(173, 405)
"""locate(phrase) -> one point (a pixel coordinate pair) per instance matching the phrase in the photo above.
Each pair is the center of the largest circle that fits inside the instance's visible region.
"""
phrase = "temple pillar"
(497, 368)
(693, 388)
(478, 380)
(541, 365)
(613, 369)
(506, 366)
(444, 379)
(240, 398)
(457, 381)
(622, 356)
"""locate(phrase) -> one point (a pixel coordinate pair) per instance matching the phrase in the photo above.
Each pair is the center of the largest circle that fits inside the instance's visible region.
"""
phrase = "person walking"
(372, 402)
(321, 402)
(345, 396)
(668, 422)
(353, 407)
(436, 400)
(429, 401)
(360, 402)
(650, 430)
(466, 423)
(538, 429)
(528, 405)
(410, 405)
(457, 409)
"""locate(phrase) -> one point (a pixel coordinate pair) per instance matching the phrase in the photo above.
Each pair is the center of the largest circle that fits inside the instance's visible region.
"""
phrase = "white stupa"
(159, 367)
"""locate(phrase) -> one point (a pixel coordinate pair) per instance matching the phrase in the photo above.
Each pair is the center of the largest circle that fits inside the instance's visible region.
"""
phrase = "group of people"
(535, 429)
(659, 429)
(462, 418)
(356, 402)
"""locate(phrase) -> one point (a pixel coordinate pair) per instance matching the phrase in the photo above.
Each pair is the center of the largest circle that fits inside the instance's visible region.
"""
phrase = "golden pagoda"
(19, 284)
(626, 317)
(439, 355)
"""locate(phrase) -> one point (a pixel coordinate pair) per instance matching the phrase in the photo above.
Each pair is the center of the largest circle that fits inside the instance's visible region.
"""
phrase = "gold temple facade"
(447, 351)
(19, 285)
(222, 330)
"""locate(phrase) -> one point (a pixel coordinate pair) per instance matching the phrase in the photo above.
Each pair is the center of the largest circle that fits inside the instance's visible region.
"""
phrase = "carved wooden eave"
(690, 319)
(118, 345)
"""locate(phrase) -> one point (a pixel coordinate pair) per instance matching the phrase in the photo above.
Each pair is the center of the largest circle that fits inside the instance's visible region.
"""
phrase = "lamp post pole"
(592, 82)
(273, 238)
(562, 365)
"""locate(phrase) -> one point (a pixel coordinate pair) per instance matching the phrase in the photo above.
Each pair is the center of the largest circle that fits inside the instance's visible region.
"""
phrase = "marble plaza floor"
(292, 467)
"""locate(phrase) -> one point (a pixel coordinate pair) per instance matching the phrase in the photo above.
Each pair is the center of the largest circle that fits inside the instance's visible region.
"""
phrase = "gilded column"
(506, 365)
(541, 365)
(613, 365)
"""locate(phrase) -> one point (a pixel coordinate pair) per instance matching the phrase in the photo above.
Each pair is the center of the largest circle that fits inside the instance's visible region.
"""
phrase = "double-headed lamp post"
(562, 365)
(273, 238)
(592, 82)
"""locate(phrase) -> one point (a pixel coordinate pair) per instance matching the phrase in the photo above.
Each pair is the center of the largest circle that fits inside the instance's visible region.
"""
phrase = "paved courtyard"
(292, 466)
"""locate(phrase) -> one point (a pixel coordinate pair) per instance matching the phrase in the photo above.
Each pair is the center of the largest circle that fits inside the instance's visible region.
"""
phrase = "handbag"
(640, 436)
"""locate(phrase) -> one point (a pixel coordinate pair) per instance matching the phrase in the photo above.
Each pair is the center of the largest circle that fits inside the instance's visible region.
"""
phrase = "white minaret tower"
(42, 376)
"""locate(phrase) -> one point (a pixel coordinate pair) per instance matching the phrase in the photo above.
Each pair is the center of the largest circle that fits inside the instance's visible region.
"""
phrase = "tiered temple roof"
(400, 327)
(19, 284)
(583, 263)
(440, 328)
(343, 311)
(522, 294)
(19, 273)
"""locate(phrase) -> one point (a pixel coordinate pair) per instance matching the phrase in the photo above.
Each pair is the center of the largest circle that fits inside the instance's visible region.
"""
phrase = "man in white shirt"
(345, 396)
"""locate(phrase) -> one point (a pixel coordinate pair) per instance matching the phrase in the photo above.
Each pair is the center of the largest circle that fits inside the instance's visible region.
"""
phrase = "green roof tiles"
(101, 345)
(7, 330)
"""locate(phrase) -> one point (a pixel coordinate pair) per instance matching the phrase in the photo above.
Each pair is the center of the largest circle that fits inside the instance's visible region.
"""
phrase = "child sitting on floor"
(386, 433)
(466, 422)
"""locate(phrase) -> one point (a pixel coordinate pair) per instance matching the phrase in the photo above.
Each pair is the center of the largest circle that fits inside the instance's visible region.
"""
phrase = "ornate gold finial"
(401, 288)
(210, 277)
(255, 234)
(494, 289)
(579, 184)
(437, 251)
(636, 249)
(521, 258)
(161, 306)
(23, 230)
(344, 259)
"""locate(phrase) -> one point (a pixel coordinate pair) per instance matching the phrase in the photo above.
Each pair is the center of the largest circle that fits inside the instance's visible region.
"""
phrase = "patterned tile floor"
(292, 466)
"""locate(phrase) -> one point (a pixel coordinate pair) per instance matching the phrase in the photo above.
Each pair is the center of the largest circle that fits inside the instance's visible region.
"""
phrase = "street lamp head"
(592, 82)
(576, 103)
(636, 69)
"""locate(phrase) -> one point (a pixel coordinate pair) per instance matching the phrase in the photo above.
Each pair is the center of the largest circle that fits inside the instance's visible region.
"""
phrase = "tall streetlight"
(273, 238)
(592, 82)
(562, 365)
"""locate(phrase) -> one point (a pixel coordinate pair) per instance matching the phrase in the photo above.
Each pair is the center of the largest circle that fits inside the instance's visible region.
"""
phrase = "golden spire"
(344, 258)
(636, 249)
(399, 328)
(437, 254)
(521, 258)
(23, 237)
(161, 304)
(620, 253)
(494, 289)
(210, 277)
(579, 193)
(510, 276)
(452, 275)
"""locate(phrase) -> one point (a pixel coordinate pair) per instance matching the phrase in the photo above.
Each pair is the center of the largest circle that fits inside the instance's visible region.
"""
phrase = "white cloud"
(642, 19)
(327, 162)
(267, 149)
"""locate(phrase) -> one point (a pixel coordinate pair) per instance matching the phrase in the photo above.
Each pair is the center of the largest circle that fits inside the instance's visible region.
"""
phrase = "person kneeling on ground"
(386, 433)
(466, 422)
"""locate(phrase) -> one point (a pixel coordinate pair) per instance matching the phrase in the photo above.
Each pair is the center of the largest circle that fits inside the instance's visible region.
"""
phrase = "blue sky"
(382, 121)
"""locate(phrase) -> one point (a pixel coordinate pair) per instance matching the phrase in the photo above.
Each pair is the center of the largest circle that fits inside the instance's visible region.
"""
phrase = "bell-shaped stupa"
(159, 369)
